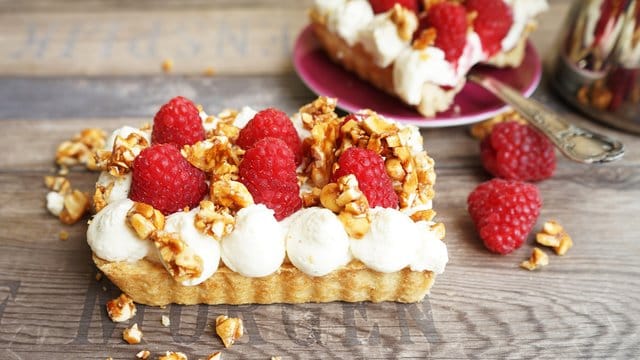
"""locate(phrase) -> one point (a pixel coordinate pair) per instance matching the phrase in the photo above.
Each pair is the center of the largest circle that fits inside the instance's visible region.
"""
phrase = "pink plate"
(324, 77)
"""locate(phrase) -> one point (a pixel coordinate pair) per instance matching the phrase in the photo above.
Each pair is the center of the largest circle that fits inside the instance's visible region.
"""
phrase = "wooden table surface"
(67, 66)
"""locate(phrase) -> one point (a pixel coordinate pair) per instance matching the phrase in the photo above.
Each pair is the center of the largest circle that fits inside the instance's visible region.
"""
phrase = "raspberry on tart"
(504, 212)
(272, 123)
(165, 180)
(177, 122)
(450, 22)
(492, 23)
(518, 152)
(268, 170)
(373, 180)
(380, 6)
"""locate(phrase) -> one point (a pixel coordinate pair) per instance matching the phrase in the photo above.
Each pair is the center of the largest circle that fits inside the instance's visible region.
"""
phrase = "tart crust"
(149, 283)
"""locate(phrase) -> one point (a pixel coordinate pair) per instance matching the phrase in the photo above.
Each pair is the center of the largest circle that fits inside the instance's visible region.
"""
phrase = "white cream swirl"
(317, 242)
(255, 248)
(205, 246)
(111, 239)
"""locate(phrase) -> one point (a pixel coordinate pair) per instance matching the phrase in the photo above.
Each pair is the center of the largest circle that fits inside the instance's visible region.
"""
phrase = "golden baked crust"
(149, 283)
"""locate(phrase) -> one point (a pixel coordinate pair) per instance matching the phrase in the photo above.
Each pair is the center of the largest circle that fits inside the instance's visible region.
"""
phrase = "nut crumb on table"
(229, 329)
(63, 235)
(165, 321)
(132, 335)
(143, 354)
(554, 235)
(173, 355)
(167, 65)
(215, 356)
(121, 308)
(538, 259)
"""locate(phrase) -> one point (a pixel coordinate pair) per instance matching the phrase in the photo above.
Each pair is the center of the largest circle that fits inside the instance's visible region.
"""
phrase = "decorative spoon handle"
(574, 142)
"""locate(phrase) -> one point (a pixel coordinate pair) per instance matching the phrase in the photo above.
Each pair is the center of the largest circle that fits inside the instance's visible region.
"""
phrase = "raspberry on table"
(373, 180)
(271, 123)
(492, 23)
(518, 152)
(450, 22)
(165, 180)
(380, 6)
(177, 122)
(268, 170)
(504, 212)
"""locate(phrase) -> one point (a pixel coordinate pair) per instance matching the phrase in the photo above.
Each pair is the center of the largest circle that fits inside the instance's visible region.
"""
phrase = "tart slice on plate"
(421, 52)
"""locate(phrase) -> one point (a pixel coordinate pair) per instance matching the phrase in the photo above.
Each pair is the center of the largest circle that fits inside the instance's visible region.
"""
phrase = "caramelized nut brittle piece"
(554, 235)
(229, 329)
(181, 261)
(145, 220)
(216, 155)
(143, 354)
(215, 356)
(76, 204)
(405, 20)
(215, 221)
(78, 150)
(132, 335)
(320, 110)
(121, 308)
(322, 151)
(347, 200)
(124, 153)
(173, 355)
(57, 183)
(480, 130)
(538, 259)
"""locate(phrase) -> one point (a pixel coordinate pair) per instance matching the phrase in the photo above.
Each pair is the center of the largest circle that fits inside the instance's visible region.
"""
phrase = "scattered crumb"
(63, 235)
(171, 355)
(143, 354)
(167, 65)
(553, 235)
(132, 335)
(165, 321)
(104, 288)
(276, 358)
(215, 356)
(121, 308)
(98, 276)
(229, 329)
(209, 71)
(63, 171)
(538, 259)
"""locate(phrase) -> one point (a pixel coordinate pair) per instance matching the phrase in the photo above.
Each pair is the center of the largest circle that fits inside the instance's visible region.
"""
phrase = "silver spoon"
(576, 143)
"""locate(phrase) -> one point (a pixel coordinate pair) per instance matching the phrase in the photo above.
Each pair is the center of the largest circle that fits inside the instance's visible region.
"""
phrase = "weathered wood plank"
(60, 97)
(107, 38)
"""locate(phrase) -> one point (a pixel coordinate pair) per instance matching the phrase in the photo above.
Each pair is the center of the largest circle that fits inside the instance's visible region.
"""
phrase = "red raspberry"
(177, 122)
(518, 152)
(504, 212)
(271, 123)
(380, 6)
(373, 180)
(165, 180)
(268, 170)
(492, 23)
(450, 22)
